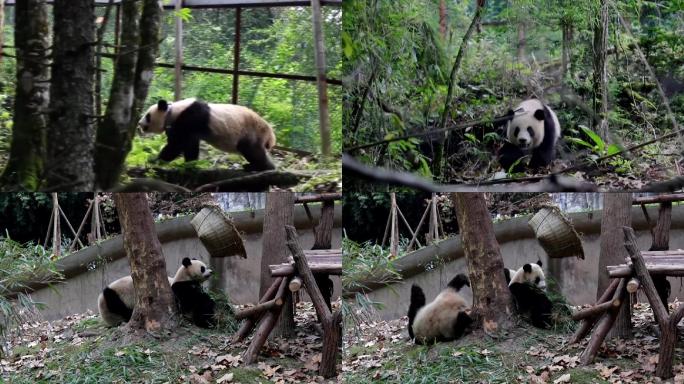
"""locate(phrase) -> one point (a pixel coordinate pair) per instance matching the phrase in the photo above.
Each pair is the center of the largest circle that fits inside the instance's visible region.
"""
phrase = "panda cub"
(444, 319)
(117, 300)
(528, 287)
(228, 127)
(532, 129)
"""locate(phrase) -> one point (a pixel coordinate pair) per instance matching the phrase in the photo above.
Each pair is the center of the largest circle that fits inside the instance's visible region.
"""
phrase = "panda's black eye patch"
(517, 130)
(530, 131)
(536, 281)
(202, 270)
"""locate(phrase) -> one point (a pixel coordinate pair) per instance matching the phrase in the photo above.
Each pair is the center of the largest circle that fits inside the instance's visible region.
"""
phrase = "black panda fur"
(528, 297)
(194, 122)
(543, 153)
(116, 305)
(191, 298)
(443, 304)
(533, 301)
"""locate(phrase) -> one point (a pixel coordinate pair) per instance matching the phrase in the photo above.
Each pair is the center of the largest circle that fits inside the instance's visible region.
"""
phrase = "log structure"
(292, 276)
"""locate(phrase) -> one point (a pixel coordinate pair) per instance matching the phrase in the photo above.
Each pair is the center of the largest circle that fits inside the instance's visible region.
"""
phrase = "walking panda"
(228, 127)
(532, 129)
(444, 319)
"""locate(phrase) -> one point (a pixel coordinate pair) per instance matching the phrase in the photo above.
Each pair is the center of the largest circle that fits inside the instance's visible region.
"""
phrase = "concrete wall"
(240, 279)
(577, 278)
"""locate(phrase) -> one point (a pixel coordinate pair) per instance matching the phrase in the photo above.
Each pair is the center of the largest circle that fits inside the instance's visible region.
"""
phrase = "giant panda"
(117, 300)
(528, 288)
(192, 300)
(532, 128)
(444, 319)
(228, 127)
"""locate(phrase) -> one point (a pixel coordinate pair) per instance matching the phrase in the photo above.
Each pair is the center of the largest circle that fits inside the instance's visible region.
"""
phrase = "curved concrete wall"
(87, 273)
(577, 278)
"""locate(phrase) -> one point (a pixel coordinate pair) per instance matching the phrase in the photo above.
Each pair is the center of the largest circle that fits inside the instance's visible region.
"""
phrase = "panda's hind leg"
(256, 154)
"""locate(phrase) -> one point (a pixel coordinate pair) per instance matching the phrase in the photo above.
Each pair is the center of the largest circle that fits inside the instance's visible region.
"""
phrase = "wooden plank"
(287, 270)
(664, 198)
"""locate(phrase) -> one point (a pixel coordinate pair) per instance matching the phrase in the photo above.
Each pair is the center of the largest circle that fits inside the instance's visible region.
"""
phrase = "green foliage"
(20, 266)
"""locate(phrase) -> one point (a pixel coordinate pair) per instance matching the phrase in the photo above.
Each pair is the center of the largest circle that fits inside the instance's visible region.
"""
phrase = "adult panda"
(228, 127)
(528, 287)
(532, 129)
(444, 319)
(117, 300)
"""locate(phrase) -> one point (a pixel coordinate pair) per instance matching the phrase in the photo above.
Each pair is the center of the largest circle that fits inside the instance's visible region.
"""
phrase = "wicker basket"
(217, 232)
(556, 234)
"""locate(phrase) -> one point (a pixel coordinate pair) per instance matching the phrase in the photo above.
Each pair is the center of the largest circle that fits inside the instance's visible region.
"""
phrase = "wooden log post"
(604, 326)
(330, 322)
(248, 324)
(295, 284)
(667, 324)
(588, 323)
(633, 285)
(266, 325)
(596, 310)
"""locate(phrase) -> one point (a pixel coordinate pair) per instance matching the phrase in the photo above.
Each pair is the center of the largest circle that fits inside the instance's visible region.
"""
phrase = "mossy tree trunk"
(155, 307)
(601, 71)
(31, 35)
(69, 165)
(133, 73)
(492, 303)
(617, 213)
(279, 213)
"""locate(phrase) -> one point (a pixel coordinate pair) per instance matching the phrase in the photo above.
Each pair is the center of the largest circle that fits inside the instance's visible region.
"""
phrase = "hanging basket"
(555, 233)
(217, 232)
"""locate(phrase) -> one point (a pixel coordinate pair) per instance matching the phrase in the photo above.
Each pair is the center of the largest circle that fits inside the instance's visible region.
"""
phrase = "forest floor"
(80, 349)
(380, 351)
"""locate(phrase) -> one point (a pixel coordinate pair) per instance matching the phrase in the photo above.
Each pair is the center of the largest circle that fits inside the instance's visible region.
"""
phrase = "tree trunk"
(661, 242)
(323, 240)
(442, 18)
(69, 165)
(492, 301)
(439, 149)
(155, 307)
(566, 47)
(617, 213)
(279, 213)
(601, 71)
(114, 134)
(521, 42)
(132, 77)
(31, 34)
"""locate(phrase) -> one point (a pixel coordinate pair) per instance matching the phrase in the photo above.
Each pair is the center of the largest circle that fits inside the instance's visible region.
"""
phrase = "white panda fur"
(530, 273)
(117, 300)
(190, 297)
(444, 319)
(228, 127)
(533, 128)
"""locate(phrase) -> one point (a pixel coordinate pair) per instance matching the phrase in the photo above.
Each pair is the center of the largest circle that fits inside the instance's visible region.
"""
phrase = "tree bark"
(661, 242)
(439, 150)
(442, 18)
(69, 165)
(279, 213)
(521, 42)
(155, 307)
(566, 49)
(132, 77)
(31, 34)
(600, 70)
(616, 214)
(492, 301)
(114, 133)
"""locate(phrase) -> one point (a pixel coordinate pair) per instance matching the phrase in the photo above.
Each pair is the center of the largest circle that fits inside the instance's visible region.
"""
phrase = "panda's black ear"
(162, 105)
(539, 263)
(539, 114)
(527, 268)
(187, 262)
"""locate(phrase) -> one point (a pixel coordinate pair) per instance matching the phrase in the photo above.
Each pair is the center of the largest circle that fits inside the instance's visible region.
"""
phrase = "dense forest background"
(405, 58)
(277, 40)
